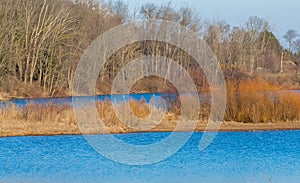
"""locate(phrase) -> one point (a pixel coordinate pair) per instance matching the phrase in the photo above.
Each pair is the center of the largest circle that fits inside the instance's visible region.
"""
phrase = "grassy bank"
(250, 106)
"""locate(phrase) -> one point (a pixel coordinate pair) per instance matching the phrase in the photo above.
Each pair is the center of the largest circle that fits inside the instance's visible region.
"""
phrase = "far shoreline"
(11, 98)
(233, 127)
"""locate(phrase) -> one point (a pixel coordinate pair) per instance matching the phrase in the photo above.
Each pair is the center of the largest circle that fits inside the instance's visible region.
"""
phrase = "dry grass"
(50, 119)
(37, 120)
(248, 102)
(37, 112)
(260, 102)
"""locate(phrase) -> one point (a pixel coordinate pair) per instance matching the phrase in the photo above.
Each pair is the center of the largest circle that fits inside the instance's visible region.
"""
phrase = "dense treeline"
(41, 42)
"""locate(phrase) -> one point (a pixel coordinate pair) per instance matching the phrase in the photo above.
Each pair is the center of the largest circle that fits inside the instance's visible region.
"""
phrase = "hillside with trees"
(41, 43)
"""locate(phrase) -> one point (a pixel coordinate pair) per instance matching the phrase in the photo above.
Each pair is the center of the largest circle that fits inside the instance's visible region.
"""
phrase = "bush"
(258, 101)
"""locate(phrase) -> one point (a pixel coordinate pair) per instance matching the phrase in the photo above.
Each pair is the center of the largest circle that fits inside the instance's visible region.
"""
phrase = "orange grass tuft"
(258, 101)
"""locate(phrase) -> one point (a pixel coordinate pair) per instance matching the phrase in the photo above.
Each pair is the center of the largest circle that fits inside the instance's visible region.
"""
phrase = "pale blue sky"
(282, 15)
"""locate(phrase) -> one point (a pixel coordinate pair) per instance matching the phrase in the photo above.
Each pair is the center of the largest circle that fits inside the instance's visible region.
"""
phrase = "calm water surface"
(232, 157)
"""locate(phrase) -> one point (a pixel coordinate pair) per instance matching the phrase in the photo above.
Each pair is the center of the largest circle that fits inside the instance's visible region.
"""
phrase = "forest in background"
(41, 42)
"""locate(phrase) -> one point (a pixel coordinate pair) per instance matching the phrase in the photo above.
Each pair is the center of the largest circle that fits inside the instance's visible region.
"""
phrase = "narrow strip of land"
(50, 129)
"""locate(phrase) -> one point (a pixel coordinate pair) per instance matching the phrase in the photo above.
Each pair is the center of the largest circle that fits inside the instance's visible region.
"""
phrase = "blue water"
(204, 97)
(232, 157)
(68, 100)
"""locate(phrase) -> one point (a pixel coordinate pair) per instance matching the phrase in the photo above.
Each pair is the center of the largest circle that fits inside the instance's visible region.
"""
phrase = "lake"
(204, 97)
(232, 157)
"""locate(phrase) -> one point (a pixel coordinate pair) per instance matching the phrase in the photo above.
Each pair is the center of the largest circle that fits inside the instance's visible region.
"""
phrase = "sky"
(282, 15)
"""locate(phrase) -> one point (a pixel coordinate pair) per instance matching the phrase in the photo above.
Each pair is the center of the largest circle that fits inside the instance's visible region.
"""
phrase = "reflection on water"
(204, 97)
(232, 157)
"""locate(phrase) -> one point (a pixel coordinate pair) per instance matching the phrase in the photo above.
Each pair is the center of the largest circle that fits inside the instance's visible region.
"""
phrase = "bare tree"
(297, 46)
(290, 36)
(254, 27)
(149, 11)
(41, 42)
(119, 9)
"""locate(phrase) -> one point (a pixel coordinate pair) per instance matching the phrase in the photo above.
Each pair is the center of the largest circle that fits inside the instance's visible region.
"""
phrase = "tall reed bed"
(248, 102)
(259, 102)
(45, 115)
(37, 112)
(52, 112)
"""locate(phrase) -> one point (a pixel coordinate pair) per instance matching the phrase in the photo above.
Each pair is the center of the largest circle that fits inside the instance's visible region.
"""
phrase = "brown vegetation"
(251, 105)
(259, 101)
(41, 43)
